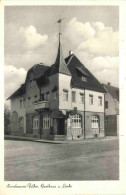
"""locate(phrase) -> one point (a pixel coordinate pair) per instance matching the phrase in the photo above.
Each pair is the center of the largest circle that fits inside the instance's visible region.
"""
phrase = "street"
(33, 161)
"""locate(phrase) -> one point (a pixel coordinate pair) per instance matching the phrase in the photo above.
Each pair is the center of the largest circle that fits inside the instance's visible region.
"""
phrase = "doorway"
(61, 129)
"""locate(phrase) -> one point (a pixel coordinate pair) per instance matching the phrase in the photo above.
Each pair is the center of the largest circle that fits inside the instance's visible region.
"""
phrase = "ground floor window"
(35, 122)
(76, 121)
(46, 121)
(106, 122)
(95, 122)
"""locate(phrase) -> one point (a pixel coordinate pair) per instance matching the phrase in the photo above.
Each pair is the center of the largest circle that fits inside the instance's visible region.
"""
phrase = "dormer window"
(83, 78)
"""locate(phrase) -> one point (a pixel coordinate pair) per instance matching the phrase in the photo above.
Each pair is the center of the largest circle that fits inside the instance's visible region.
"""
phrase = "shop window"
(91, 99)
(65, 95)
(76, 121)
(99, 101)
(95, 122)
(73, 96)
(81, 98)
(35, 122)
(46, 121)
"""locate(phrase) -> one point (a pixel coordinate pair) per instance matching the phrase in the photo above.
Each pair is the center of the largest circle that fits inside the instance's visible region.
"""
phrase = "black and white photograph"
(61, 95)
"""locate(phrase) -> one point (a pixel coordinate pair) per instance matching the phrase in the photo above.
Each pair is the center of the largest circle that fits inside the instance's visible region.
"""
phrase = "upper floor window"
(99, 101)
(54, 95)
(95, 122)
(106, 104)
(73, 96)
(91, 99)
(65, 94)
(35, 122)
(46, 121)
(35, 98)
(24, 102)
(20, 103)
(81, 98)
(83, 78)
(42, 96)
(30, 83)
(29, 99)
(47, 95)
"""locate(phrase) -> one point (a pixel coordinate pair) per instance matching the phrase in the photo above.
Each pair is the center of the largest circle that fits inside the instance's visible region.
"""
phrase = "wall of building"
(53, 81)
(111, 125)
(112, 105)
(21, 112)
(65, 83)
(31, 90)
(95, 107)
(91, 132)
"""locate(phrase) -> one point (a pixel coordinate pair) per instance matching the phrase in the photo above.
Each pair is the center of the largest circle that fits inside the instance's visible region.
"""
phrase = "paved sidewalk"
(59, 142)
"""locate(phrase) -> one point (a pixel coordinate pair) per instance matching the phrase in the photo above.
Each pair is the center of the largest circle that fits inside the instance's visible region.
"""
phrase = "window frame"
(76, 121)
(99, 100)
(95, 122)
(81, 98)
(21, 104)
(65, 95)
(106, 104)
(46, 121)
(35, 122)
(84, 78)
(74, 96)
(91, 99)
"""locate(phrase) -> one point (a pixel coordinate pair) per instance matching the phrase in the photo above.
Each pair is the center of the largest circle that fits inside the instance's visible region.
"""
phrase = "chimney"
(70, 52)
(109, 83)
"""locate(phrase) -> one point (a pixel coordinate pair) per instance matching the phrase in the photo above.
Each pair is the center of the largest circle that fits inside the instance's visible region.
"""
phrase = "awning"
(57, 114)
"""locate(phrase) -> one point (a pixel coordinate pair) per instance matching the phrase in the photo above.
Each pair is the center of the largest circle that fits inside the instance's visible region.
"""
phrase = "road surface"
(33, 161)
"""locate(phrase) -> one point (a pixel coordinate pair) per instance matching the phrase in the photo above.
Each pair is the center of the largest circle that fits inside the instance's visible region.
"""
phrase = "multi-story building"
(111, 110)
(63, 101)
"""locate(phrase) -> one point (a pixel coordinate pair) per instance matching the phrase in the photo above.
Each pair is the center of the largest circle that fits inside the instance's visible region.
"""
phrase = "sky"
(31, 37)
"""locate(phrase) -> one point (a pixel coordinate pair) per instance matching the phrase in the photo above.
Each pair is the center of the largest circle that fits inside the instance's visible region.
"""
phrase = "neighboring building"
(111, 110)
(64, 101)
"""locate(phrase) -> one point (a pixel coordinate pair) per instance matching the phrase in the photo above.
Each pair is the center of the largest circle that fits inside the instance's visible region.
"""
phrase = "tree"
(6, 120)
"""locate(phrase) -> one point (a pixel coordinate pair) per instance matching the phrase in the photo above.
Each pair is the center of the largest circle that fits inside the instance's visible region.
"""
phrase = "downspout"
(84, 114)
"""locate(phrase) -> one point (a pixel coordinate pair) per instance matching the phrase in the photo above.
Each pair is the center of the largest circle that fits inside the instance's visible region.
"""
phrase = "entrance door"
(61, 129)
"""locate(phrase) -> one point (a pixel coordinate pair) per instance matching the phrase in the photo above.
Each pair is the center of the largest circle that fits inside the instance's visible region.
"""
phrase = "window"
(29, 101)
(76, 121)
(35, 98)
(54, 95)
(106, 104)
(81, 98)
(24, 103)
(106, 122)
(73, 96)
(99, 101)
(30, 82)
(47, 95)
(42, 96)
(20, 103)
(83, 78)
(65, 95)
(95, 122)
(35, 122)
(46, 121)
(91, 99)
